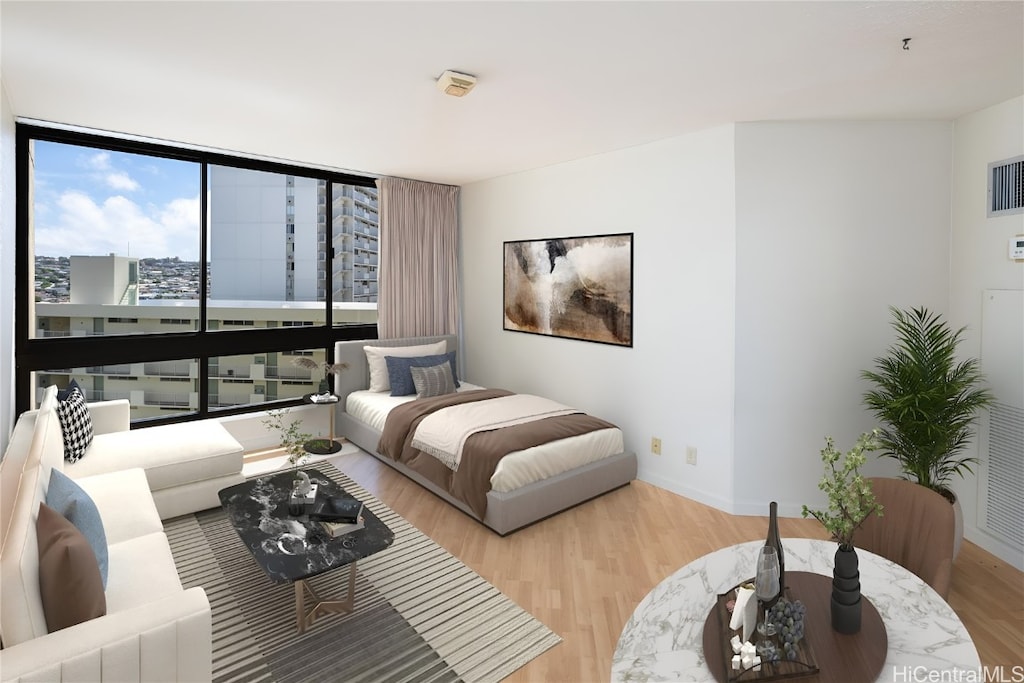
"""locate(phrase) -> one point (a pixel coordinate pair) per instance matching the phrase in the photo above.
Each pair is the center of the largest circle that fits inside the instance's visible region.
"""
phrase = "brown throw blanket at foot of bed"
(482, 451)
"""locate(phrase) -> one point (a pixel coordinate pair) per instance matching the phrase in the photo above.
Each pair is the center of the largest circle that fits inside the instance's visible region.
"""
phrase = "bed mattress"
(516, 469)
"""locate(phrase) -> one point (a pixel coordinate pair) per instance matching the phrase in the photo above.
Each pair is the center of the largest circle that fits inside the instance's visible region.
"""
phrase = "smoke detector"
(455, 84)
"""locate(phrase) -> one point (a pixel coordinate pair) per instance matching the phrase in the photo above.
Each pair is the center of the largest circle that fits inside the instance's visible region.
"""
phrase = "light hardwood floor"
(584, 571)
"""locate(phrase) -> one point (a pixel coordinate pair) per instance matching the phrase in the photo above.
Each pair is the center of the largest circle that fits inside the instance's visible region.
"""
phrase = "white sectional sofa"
(153, 629)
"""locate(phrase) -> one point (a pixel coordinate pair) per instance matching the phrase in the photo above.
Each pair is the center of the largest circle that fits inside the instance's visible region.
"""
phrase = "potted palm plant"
(927, 402)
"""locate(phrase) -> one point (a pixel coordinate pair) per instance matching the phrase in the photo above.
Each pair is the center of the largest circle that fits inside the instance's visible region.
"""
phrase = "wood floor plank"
(584, 571)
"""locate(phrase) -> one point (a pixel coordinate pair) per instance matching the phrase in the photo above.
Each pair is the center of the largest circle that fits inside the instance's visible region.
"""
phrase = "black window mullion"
(203, 344)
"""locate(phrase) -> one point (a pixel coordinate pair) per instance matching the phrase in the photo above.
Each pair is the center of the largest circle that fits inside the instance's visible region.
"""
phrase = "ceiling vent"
(1006, 187)
(455, 84)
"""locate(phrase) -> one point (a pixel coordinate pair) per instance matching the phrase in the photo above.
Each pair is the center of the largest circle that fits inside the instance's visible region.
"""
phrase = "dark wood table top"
(840, 658)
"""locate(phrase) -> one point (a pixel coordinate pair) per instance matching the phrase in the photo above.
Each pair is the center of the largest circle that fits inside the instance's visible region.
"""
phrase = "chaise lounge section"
(153, 628)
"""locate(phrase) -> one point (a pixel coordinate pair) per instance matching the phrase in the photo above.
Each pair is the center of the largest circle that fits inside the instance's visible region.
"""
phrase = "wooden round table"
(839, 657)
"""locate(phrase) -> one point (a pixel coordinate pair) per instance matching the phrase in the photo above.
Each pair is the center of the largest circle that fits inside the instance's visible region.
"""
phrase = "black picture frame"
(570, 287)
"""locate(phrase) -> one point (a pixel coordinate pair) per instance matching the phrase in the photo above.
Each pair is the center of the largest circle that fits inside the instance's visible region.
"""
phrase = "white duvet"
(515, 469)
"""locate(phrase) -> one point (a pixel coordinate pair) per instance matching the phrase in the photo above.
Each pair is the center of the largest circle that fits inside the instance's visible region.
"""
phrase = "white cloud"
(121, 181)
(80, 226)
(99, 161)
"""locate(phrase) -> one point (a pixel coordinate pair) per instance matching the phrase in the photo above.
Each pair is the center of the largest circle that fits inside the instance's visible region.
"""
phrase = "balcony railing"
(285, 372)
(109, 370)
(169, 369)
(160, 398)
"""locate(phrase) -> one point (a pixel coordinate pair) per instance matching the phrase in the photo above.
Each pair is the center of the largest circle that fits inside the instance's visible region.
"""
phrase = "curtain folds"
(418, 272)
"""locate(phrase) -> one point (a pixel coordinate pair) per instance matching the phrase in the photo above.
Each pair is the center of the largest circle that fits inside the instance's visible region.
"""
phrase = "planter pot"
(846, 598)
(958, 526)
(846, 618)
(958, 520)
(844, 583)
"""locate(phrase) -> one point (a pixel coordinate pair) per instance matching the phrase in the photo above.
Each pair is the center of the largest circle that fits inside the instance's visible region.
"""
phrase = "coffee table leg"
(304, 619)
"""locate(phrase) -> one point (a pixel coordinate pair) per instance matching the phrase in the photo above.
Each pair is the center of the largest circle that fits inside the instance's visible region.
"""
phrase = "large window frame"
(41, 354)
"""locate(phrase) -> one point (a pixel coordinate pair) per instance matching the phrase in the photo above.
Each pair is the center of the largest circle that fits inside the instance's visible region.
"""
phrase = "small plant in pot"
(850, 502)
(293, 441)
(927, 402)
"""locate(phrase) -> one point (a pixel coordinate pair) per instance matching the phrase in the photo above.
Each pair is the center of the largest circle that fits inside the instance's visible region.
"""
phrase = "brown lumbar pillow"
(69, 575)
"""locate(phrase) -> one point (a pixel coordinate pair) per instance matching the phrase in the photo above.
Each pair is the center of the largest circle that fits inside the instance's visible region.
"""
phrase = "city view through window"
(115, 248)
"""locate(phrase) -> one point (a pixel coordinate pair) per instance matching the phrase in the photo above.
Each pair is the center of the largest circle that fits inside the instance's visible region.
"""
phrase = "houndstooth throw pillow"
(75, 424)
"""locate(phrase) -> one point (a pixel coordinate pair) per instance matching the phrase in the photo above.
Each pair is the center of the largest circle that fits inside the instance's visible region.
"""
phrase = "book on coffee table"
(336, 529)
(339, 509)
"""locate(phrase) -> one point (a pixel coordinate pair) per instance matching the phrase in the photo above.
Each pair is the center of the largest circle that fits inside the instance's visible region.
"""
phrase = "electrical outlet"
(691, 455)
(655, 445)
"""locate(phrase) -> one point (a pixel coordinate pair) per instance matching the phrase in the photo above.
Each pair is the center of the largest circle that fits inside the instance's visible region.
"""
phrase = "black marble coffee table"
(293, 548)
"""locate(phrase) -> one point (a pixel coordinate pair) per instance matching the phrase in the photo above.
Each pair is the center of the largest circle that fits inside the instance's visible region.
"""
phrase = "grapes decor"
(788, 619)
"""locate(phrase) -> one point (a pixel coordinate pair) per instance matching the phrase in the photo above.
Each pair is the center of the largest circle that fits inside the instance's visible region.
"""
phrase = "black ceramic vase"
(846, 592)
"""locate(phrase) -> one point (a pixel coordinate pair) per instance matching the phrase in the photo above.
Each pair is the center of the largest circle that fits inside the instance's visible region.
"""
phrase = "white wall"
(6, 268)
(677, 197)
(979, 255)
(834, 223)
(766, 257)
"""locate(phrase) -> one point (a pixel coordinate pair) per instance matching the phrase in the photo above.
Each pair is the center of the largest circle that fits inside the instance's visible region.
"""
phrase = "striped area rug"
(420, 614)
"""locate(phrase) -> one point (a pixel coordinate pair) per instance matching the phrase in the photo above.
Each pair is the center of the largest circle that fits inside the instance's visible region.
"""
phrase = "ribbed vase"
(846, 600)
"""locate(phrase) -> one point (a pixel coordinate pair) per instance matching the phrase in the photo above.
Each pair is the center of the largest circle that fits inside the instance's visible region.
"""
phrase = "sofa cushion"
(69, 577)
(125, 503)
(75, 424)
(75, 505)
(171, 454)
(142, 570)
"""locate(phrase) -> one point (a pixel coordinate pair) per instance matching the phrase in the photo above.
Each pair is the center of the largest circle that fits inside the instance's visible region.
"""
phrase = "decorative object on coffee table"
(850, 501)
(293, 441)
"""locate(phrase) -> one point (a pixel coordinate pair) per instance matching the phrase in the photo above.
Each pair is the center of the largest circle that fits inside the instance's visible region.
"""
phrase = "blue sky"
(93, 202)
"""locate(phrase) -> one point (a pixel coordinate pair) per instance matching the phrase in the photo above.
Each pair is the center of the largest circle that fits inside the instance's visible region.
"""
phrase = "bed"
(528, 485)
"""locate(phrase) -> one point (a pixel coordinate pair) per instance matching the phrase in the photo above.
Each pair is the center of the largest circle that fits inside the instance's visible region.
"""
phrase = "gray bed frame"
(506, 511)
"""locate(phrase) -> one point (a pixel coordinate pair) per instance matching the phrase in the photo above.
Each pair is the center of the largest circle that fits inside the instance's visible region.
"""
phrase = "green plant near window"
(925, 399)
(850, 498)
(293, 440)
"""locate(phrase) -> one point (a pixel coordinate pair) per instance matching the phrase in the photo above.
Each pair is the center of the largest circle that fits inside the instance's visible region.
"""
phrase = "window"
(113, 233)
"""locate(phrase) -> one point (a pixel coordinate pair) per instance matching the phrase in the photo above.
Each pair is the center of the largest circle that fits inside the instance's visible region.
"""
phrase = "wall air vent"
(1006, 187)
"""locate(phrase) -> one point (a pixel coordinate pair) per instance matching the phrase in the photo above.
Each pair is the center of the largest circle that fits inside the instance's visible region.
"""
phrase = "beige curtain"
(418, 273)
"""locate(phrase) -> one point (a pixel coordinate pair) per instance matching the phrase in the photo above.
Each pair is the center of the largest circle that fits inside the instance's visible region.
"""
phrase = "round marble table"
(662, 640)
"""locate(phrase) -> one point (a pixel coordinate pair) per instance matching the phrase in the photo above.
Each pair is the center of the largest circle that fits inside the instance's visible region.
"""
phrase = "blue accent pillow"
(63, 394)
(75, 505)
(401, 377)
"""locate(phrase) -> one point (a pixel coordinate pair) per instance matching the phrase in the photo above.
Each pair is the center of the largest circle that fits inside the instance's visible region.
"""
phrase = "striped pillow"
(434, 380)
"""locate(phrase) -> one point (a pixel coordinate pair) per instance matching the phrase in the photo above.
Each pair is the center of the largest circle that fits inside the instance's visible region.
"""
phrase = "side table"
(321, 446)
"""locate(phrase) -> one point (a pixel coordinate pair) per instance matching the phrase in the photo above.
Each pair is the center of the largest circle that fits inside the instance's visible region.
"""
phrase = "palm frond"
(925, 400)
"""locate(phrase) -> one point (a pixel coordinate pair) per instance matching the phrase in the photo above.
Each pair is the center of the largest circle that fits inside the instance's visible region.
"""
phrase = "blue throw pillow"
(75, 505)
(401, 377)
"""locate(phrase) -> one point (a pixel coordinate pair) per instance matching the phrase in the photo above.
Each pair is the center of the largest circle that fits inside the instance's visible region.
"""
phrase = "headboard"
(357, 376)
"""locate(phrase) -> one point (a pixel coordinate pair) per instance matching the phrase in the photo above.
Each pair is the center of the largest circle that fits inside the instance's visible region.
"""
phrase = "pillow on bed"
(400, 376)
(434, 380)
(378, 366)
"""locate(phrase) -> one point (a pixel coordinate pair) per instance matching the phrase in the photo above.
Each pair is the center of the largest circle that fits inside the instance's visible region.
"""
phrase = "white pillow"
(379, 367)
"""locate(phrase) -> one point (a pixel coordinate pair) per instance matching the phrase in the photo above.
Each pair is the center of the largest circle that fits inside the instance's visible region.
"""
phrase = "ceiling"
(351, 85)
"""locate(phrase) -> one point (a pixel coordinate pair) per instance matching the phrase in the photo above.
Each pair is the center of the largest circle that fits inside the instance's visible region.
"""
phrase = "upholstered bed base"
(506, 511)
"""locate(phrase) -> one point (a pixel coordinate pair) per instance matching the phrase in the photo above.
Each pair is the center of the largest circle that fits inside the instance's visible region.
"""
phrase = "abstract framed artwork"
(573, 287)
